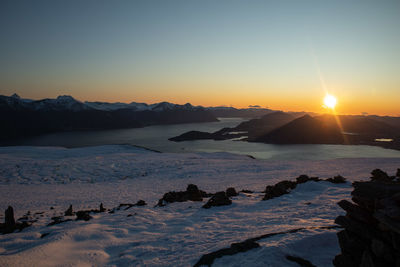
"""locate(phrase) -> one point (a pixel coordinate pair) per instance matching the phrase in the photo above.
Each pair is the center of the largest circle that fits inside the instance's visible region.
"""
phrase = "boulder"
(231, 192)
(192, 193)
(141, 203)
(356, 212)
(379, 175)
(372, 225)
(337, 180)
(279, 189)
(304, 178)
(102, 209)
(9, 220)
(83, 215)
(246, 191)
(218, 199)
(69, 211)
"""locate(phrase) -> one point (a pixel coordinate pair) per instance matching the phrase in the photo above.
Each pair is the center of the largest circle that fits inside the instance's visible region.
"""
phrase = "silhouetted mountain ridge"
(304, 130)
(22, 117)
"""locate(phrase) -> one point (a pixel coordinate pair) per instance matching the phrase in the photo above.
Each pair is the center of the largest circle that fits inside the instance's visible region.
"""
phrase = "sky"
(283, 55)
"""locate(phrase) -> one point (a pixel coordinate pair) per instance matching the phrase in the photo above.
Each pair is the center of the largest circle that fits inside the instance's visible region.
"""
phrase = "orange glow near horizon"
(305, 100)
(330, 101)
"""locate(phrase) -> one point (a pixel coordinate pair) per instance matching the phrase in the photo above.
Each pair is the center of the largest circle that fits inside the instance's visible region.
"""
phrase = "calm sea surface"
(156, 137)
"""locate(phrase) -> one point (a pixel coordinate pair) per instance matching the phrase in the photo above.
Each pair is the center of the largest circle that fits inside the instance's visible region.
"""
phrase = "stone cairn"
(371, 235)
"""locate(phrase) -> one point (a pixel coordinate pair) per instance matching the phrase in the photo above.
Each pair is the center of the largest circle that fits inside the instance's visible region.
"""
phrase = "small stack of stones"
(371, 235)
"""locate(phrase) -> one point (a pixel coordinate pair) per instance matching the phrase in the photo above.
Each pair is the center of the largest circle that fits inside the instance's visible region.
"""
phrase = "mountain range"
(24, 117)
(285, 128)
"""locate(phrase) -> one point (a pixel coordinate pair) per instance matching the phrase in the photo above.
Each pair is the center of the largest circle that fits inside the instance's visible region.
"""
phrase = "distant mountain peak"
(66, 98)
(16, 96)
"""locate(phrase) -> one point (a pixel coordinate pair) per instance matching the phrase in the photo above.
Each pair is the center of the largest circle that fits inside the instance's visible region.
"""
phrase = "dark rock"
(382, 250)
(279, 189)
(356, 212)
(302, 262)
(367, 194)
(58, 220)
(192, 193)
(398, 173)
(395, 238)
(337, 180)
(9, 220)
(235, 248)
(367, 259)
(379, 175)
(192, 189)
(141, 203)
(304, 178)
(52, 208)
(83, 215)
(362, 230)
(372, 225)
(10, 225)
(388, 222)
(102, 209)
(231, 192)
(344, 260)
(129, 205)
(244, 246)
(69, 211)
(218, 199)
(352, 245)
(246, 191)
(44, 235)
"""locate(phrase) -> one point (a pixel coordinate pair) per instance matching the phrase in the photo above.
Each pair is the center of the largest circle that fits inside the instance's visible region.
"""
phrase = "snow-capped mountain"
(64, 102)
(118, 105)
(61, 103)
(68, 103)
(158, 107)
(23, 117)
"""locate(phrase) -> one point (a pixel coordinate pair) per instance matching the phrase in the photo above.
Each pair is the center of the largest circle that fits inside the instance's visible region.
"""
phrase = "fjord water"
(156, 138)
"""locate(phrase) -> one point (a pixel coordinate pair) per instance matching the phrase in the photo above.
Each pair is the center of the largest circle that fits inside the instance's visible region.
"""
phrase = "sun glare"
(330, 101)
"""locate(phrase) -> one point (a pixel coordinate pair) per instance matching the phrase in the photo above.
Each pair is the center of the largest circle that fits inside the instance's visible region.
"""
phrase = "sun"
(330, 101)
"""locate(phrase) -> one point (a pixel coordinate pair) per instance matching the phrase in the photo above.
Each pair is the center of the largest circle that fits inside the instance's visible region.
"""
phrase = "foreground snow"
(34, 179)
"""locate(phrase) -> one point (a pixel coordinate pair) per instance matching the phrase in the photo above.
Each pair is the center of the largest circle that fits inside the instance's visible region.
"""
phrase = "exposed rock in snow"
(37, 178)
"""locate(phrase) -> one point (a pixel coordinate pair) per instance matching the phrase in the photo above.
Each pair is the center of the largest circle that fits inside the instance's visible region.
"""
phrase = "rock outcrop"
(192, 193)
(372, 224)
(284, 187)
(69, 211)
(218, 199)
(10, 225)
(231, 192)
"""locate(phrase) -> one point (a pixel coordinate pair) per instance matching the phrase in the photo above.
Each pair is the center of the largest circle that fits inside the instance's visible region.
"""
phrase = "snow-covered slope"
(35, 179)
(115, 106)
(63, 102)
